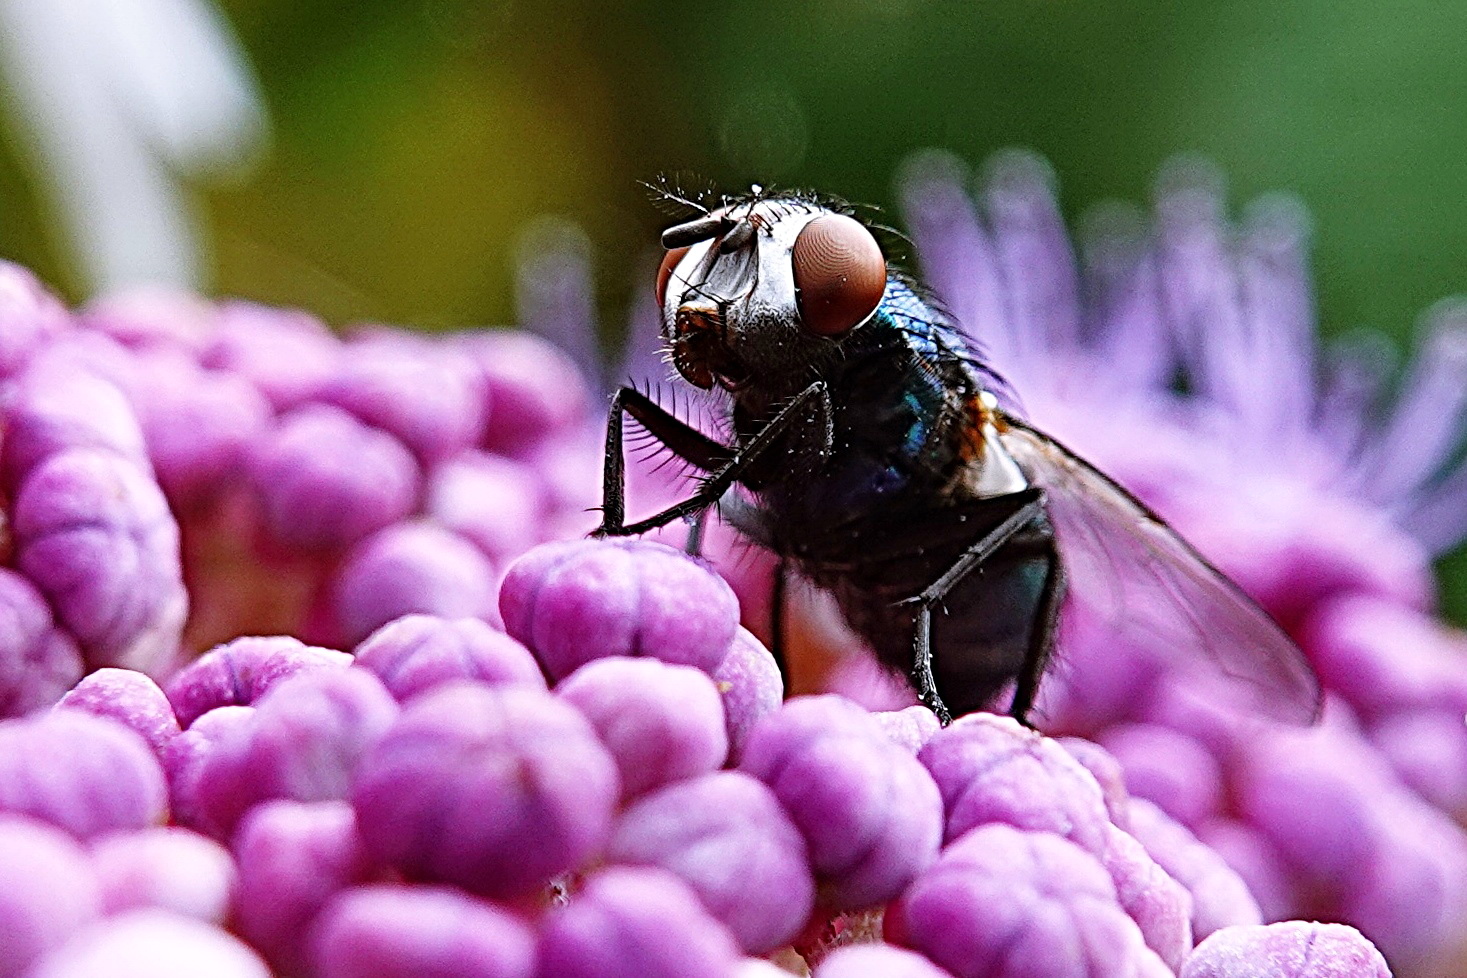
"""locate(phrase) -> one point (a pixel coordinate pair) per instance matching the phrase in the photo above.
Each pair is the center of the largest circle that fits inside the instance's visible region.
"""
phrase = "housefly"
(869, 451)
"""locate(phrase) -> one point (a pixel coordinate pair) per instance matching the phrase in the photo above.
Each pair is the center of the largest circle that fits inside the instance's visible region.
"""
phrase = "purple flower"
(1294, 949)
(199, 426)
(29, 314)
(869, 812)
(495, 789)
(990, 769)
(390, 931)
(166, 867)
(662, 723)
(151, 317)
(1219, 896)
(430, 397)
(419, 652)
(326, 480)
(305, 742)
(725, 835)
(240, 672)
(48, 891)
(634, 923)
(286, 353)
(184, 757)
(574, 602)
(410, 568)
(1158, 904)
(877, 961)
(38, 661)
(82, 773)
(293, 858)
(94, 533)
(54, 407)
(1168, 768)
(152, 944)
(910, 728)
(749, 680)
(535, 390)
(1004, 902)
(499, 504)
(128, 697)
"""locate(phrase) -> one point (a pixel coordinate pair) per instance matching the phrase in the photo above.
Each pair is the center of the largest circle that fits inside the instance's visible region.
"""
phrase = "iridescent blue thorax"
(901, 387)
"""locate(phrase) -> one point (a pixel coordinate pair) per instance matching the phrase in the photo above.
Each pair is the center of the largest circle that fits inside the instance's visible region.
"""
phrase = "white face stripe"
(762, 273)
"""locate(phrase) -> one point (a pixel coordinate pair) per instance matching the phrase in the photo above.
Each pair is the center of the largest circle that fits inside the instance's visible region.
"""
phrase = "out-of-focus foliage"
(416, 140)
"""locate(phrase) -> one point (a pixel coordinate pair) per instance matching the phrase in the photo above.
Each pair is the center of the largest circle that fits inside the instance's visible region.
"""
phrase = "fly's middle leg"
(1030, 507)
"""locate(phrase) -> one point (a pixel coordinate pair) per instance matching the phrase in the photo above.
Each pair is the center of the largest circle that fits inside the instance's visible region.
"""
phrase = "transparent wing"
(1126, 563)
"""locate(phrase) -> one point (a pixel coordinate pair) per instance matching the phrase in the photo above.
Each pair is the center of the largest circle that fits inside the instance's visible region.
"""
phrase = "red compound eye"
(669, 262)
(840, 274)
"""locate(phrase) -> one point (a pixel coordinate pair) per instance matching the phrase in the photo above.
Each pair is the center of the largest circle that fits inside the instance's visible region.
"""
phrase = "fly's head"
(755, 294)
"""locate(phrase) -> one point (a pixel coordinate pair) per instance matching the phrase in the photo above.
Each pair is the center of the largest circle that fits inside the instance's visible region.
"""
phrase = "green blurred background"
(415, 140)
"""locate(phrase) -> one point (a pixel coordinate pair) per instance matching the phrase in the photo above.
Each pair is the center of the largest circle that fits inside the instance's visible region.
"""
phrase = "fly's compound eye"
(840, 274)
(664, 274)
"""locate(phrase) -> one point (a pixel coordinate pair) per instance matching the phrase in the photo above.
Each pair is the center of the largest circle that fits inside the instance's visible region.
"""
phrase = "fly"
(870, 453)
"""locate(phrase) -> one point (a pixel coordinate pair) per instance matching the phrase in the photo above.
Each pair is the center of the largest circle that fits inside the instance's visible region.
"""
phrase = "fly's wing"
(1123, 560)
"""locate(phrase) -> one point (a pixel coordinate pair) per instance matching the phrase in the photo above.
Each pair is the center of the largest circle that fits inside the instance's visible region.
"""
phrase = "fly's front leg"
(719, 482)
(1030, 508)
(683, 440)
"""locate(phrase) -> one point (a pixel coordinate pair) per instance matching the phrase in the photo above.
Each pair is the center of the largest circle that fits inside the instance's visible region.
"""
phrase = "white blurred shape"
(122, 99)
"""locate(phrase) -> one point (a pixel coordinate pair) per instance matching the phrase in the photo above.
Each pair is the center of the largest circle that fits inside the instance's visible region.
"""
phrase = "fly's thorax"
(769, 295)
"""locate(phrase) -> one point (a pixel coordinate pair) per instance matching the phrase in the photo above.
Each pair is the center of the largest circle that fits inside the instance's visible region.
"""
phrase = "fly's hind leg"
(1042, 643)
(1030, 507)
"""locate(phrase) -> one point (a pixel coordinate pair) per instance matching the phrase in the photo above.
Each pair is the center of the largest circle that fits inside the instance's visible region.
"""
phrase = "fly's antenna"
(667, 193)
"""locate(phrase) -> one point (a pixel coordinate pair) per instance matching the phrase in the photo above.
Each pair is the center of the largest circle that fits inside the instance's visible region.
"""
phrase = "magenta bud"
(752, 688)
(869, 812)
(498, 504)
(53, 407)
(156, 944)
(29, 314)
(991, 769)
(305, 742)
(1002, 901)
(48, 890)
(151, 317)
(583, 600)
(287, 354)
(128, 697)
(726, 836)
(167, 867)
(240, 672)
(183, 759)
(38, 661)
(877, 961)
(1291, 949)
(413, 567)
(393, 931)
(1220, 898)
(495, 789)
(293, 858)
(1106, 771)
(662, 723)
(1169, 768)
(419, 652)
(85, 774)
(634, 923)
(94, 533)
(534, 389)
(428, 396)
(326, 480)
(910, 728)
(199, 426)
(1158, 904)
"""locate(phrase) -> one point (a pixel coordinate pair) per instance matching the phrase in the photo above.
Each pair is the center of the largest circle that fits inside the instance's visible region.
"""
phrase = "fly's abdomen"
(983, 629)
